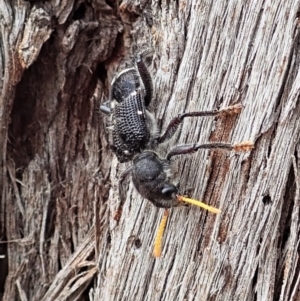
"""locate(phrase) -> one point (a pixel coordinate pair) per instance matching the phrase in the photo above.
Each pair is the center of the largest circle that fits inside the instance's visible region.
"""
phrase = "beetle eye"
(168, 190)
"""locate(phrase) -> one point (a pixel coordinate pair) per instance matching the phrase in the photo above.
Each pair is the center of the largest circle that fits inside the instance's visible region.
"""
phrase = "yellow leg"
(159, 235)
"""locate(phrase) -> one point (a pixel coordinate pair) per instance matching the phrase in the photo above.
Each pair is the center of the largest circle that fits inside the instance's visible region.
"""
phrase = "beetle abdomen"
(131, 133)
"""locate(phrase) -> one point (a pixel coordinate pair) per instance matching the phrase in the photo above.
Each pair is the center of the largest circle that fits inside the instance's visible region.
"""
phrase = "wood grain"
(59, 178)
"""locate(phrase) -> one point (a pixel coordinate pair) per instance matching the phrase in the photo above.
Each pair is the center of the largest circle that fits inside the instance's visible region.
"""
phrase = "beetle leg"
(175, 122)
(193, 147)
(145, 77)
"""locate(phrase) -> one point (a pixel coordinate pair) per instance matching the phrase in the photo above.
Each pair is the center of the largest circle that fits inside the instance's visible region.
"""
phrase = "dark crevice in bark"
(23, 125)
(137, 243)
(113, 4)
(267, 200)
(108, 238)
(101, 72)
(270, 144)
(255, 276)
(269, 137)
(85, 293)
(187, 24)
(79, 13)
(289, 75)
(50, 220)
(118, 51)
(28, 113)
(285, 232)
(3, 264)
(254, 282)
(294, 284)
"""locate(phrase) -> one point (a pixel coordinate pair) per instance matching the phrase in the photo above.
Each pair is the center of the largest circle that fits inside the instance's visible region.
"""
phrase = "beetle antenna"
(198, 203)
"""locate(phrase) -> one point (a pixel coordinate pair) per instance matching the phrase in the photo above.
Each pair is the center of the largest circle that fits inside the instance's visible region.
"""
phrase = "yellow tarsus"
(198, 203)
(244, 146)
(159, 235)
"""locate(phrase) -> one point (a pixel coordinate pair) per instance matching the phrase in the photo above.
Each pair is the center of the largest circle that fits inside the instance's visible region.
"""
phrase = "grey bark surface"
(59, 179)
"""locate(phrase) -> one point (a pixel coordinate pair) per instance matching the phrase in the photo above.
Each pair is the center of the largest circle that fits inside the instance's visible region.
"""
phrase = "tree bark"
(59, 178)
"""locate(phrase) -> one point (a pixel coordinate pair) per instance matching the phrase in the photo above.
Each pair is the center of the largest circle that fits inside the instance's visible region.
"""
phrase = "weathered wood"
(59, 178)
